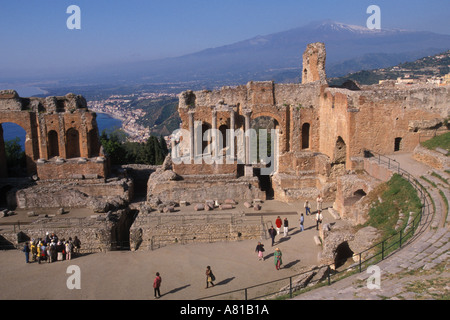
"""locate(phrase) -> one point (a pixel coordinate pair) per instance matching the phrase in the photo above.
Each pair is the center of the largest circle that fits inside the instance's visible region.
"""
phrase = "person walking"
(285, 227)
(307, 207)
(277, 258)
(157, 286)
(33, 249)
(209, 277)
(260, 250)
(272, 233)
(278, 224)
(319, 201)
(319, 219)
(27, 250)
(302, 220)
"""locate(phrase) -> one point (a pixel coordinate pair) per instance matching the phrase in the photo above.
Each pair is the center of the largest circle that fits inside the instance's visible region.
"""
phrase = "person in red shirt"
(157, 285)
(278, 223)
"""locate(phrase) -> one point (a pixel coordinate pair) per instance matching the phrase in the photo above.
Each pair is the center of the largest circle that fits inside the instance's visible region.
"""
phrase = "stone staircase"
(422, 260)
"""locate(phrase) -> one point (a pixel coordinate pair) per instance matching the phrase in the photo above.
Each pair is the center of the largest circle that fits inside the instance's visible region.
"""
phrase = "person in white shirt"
(319, 219)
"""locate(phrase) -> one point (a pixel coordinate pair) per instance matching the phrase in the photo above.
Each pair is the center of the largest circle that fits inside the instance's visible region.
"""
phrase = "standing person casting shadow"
(209, 277)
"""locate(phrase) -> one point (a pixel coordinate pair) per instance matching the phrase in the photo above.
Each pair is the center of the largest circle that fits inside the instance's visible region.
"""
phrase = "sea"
(104, 122)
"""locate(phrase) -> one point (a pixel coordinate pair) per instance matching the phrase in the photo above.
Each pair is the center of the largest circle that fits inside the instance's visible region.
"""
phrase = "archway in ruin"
(73, 143)
(339, 159)
(398, 144)
(53, 144)
(13, 160)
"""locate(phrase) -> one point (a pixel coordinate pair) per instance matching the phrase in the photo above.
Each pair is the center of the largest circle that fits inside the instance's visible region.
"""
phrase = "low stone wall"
(80, 168)
(150, 236)
(95, 236)
(431, 158)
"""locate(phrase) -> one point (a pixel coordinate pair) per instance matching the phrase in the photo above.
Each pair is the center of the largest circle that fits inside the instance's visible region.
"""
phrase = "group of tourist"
(51, 249)
(273, 232)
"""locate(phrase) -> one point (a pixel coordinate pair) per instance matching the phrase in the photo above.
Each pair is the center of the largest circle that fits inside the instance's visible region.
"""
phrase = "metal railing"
(366, 258)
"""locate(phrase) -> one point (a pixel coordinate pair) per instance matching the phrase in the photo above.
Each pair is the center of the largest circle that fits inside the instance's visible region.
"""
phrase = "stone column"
(232, 152)
(214, 148)
(248, 171)
(191, 135)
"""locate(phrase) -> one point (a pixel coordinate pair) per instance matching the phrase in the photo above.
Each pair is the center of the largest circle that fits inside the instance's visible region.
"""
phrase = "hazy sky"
(34, 34)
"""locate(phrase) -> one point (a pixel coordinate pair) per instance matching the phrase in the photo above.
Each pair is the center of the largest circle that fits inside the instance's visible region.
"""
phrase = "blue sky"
(34, 35)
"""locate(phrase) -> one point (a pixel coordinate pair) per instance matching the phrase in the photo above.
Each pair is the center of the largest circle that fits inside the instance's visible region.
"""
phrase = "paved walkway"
(418, 270)
(129, 275)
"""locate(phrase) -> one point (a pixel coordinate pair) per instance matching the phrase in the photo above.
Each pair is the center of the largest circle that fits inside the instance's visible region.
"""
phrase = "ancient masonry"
(320, 139)
(323, 133)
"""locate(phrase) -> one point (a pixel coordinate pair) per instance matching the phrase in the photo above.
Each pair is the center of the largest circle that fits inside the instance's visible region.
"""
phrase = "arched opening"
(13, 161)
(357, 195)
(397, 144)
(72, 143)
(53, 144)
(340, 151)
(342, 253)
(94, 143)
(305, 135)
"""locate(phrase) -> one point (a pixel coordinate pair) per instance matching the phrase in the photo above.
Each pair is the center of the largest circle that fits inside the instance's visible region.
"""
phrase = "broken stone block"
(230, 201)
(60, 211)
(225, 207)
(199, 207)
(256, 207)
(248, 205)
(183, 203)
(31, 214)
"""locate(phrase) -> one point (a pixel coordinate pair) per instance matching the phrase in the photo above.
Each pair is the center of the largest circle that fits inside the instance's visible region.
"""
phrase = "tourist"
(272, 233)
(157, 285)
(46, 239)
(52, 255)
(307, 208)
(42, 252)
(277, 258)
(302, 220)
(33, 249)
(260, 250)
(319, 219)
(27, 250)
(319, 201)
(285, 227)
(76, 245)
(209, 277)
(68, 250)
(278, 223)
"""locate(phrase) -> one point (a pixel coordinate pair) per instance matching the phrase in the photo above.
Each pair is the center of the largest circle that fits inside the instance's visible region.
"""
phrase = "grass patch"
(398, 196)
(439, 177)
(441, 141)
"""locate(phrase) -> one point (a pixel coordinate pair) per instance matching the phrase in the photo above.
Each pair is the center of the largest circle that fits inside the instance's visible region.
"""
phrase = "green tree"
(15, 156)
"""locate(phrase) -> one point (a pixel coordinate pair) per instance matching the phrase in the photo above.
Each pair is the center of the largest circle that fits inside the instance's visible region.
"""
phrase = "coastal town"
(121, 107)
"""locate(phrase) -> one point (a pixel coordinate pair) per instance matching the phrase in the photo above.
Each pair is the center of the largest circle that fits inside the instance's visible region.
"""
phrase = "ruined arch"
(14, 168)
(340, 151)
(72, 143)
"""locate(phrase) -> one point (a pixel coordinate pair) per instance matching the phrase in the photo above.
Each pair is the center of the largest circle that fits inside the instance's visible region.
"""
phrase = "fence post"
(360, 262)
(401, 232)
(290, 287)
(382, 250)
(329, 275)
(245, 294)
